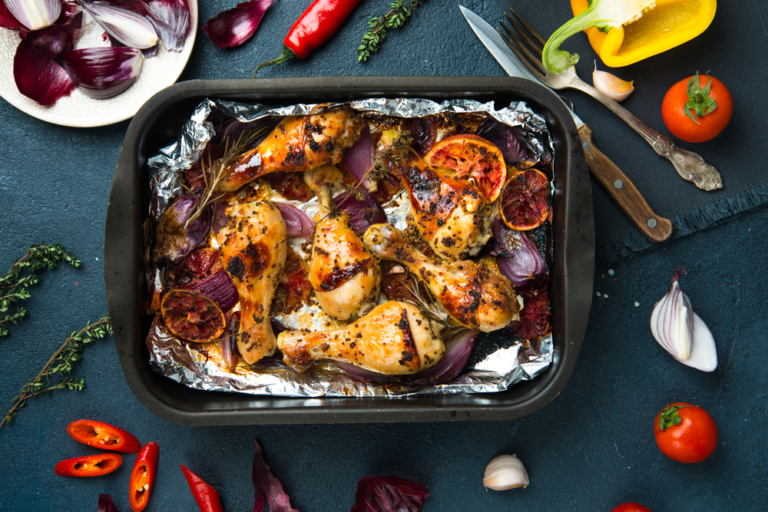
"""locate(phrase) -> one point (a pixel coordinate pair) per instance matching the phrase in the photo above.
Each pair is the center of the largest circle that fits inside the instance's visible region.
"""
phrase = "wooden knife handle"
(623, 191)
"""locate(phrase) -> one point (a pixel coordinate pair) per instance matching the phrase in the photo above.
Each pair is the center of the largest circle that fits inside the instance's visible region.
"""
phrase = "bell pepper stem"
(557, 60)
(284, 57)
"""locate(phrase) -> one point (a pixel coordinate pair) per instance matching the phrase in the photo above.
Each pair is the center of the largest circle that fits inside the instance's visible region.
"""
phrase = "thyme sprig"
(14, 286)
(399, 12)
(61, 363)
(216, 171)
(431, 309)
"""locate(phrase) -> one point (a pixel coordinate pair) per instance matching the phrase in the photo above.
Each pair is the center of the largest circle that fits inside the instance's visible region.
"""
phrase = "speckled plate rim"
(80, 111)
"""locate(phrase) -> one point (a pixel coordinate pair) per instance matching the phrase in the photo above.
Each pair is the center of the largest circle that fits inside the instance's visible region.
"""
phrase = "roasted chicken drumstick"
(450, 214)
(393, 339)
(344, 275)
(253, 247)
(474, 294)
(298, 143)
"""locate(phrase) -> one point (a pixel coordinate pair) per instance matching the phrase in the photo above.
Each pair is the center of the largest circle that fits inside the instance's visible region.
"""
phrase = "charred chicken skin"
(343, 273)
(393, 339)
(298, 143)
(253, 247)
(450, 214)
(474, 294)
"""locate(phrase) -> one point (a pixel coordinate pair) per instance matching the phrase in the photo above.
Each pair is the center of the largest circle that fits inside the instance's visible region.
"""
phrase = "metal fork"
(690, 166)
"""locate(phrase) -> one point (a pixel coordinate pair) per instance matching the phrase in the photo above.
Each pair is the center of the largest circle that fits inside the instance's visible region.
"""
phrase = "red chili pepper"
(207, 497)
(321, 19)
(143, 476)
(103, 435)
(92, 465)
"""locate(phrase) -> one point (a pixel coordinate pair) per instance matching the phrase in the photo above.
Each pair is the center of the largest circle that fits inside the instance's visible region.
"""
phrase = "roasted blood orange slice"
(470, 155)
(192, 316)
(525, 200)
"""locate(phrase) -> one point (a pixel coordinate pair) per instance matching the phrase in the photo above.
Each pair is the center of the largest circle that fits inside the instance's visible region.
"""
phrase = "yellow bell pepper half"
(670, 23)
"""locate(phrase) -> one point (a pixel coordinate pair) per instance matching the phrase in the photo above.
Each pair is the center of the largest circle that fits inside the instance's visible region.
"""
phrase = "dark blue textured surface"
(590, 449)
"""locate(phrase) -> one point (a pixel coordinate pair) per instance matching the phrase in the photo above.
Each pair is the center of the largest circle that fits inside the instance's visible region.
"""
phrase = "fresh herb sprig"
(399, 12)
(61, 363)
(216, 171)
(14, 286)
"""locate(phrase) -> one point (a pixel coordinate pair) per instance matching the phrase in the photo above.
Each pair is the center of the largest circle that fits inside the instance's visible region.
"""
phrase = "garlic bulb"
(611, 85)
(505, 472)
(681, 332)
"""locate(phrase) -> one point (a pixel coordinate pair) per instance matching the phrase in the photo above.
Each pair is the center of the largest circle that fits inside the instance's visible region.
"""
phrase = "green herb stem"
(62, 362)
(398, 14)
(14, 287)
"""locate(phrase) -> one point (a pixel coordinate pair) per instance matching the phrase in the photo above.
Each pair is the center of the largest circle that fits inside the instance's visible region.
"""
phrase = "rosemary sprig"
(14, 287)
(62, 362)
(216, 171)
(399, 12)
(431, 308)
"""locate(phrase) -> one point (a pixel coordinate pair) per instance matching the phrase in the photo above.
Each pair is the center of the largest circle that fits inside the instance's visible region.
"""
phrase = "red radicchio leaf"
(235, 26)
(106, 504)
(102, 73)
(7, 20)
(37, 74)
(267, 486)
(388, 494)
(534, 318)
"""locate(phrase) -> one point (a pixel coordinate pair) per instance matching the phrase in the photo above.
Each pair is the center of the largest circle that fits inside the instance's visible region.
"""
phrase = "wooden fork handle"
(623, 191)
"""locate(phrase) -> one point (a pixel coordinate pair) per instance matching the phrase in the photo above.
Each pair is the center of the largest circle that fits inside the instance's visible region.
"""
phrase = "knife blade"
(616, 183)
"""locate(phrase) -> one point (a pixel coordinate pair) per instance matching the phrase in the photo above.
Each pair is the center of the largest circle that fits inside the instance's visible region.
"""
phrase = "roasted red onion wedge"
(518, 259)
(175, 238)
(7, 20)
(219, 288)
(103, 72)
(125, 25)
(34, 14)
(359, 159)
(235, 26)
(35, 71)
(297, 223)
(510, 142)
(362, 213)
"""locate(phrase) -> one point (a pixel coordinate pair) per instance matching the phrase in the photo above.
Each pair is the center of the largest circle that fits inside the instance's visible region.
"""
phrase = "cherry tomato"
(630, 507)
(685, 432)
(690, 124)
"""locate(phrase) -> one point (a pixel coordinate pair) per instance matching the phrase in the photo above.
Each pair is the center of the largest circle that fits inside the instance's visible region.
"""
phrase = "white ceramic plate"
(82, 111)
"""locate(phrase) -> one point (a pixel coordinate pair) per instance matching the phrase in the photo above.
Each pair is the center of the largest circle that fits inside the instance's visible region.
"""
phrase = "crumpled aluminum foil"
(497, 361)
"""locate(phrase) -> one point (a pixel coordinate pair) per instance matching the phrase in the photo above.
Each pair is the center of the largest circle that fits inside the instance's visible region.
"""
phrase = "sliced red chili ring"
(92, 465)
(103, 435)
(143, 476)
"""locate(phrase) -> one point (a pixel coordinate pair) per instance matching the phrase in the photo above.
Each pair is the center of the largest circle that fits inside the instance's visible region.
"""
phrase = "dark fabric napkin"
(735, 49)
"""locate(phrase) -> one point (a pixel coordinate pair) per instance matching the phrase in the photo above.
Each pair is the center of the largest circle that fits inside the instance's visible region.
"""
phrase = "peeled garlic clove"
(611, 85)
(505, 472)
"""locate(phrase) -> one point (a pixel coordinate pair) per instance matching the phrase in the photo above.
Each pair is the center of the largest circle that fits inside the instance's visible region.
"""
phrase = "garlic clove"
(505, 472)
(611, 85)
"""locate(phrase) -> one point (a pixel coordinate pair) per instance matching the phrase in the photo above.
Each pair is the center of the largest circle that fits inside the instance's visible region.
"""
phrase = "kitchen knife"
(615, 182)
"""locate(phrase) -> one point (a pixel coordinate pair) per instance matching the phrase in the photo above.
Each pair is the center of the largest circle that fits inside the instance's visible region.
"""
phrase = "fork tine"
(528, 27)
(533, 58)
(536, 47)
(516, 51)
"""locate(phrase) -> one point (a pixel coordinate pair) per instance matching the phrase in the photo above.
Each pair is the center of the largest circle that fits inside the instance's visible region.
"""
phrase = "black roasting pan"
(157, 124)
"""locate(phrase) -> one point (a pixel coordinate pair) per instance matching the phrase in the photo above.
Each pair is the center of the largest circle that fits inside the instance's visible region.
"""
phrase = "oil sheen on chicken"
(450, 214)
(298, 143)
(475, 295)
(393, 339)
(253, 247)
